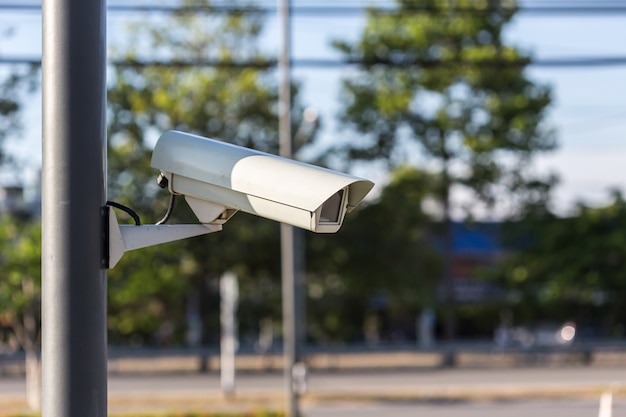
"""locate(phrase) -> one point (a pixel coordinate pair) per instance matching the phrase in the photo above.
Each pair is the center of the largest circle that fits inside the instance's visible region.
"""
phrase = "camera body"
(218, 179)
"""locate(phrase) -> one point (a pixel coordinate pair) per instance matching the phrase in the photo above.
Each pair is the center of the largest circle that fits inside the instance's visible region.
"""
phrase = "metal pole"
(229, 296)
(290, 350)
(74, 343)
(287, 232)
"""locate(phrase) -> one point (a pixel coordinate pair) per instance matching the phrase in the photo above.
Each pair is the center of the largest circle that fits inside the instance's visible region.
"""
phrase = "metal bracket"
(119, 239)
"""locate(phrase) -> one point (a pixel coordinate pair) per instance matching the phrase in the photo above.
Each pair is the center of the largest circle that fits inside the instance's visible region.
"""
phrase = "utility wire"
(588, 9)
(574, 62)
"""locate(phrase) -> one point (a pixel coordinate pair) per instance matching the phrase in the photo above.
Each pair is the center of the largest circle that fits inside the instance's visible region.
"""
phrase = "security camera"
(218, 179)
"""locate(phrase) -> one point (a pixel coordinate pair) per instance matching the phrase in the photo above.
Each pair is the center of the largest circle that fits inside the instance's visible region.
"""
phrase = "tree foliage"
(230, 103)
(440, 81)
(382, 259)
(570, 268)
(226, 101)
(20, 295)
(438, 86)
(14, 84)
(20, 239)
(20, 281)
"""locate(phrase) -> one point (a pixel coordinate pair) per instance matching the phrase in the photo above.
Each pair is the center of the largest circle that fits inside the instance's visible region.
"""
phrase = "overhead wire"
(339, 9)
(562, 62)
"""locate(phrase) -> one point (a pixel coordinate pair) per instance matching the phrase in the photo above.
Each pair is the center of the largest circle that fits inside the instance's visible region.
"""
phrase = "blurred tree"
(20, 293)
(15, 83)
(435, 79)
(384, 257)
(20, 238)
(9, 107)
(228, 100)
(570, 268)
(225, 100)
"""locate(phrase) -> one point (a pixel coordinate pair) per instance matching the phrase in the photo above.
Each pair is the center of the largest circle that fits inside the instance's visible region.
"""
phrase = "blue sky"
(589, 111)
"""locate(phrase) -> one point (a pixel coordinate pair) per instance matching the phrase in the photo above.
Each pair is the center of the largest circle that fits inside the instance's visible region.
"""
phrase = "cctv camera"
(218, 179)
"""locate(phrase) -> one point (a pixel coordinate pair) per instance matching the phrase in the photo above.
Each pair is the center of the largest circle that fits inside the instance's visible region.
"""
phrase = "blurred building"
(476, 247)
(21, 201)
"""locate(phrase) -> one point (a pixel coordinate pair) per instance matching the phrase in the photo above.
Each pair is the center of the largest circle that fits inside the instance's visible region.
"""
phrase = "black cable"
(126, 209)
(169, 211)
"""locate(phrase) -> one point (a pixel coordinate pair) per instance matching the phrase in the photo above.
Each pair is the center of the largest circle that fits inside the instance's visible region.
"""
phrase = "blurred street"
(515, 408)
(570, 391)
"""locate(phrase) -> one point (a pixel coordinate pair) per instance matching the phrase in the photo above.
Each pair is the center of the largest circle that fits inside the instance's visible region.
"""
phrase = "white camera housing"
(218, 178)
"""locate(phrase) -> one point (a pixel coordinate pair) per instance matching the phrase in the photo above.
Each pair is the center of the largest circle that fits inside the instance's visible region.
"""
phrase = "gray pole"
(74, 343)
(287, 233)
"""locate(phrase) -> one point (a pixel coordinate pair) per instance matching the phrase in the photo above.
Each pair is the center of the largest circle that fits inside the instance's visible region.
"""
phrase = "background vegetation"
(436, 89)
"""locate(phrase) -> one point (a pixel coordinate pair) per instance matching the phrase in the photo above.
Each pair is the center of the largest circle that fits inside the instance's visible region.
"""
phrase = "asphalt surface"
(481, 392)
(503, 408)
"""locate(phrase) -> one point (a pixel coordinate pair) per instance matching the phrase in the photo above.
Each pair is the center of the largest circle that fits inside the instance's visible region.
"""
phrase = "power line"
(564, 62)
(486, 63)
(343, 11)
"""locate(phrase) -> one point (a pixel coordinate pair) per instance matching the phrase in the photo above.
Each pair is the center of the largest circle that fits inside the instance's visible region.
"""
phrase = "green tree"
(226, 100)
(569, 268)
(20, 239)
(437, 85)
(235, 100)
(15, 84)
(20, 293)
(384, 252)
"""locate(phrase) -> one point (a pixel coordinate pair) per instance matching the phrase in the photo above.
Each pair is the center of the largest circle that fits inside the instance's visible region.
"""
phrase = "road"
(390, 384)
(513, 408)
(569, 391)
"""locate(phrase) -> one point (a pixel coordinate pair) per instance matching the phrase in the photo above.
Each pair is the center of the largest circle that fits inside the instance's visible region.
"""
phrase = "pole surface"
(287, 233)
(74, 343)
